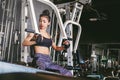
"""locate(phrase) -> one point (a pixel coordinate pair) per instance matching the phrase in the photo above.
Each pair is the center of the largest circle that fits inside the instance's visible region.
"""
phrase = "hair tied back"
(46, 12)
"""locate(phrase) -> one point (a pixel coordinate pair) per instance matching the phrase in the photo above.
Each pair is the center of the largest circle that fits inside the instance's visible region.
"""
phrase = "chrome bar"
(80, 12)
(78, 35)
(33, 16)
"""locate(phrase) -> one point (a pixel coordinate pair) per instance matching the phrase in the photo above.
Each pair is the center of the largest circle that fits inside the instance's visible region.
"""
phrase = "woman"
(42, 43)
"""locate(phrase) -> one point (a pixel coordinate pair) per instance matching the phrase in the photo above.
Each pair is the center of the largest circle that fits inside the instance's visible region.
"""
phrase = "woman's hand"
(66, 44)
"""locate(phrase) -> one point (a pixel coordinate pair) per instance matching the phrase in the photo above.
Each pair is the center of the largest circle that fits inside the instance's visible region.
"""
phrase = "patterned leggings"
(44, 62)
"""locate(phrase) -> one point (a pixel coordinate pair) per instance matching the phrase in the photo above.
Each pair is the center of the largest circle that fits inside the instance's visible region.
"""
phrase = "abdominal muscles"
(42, 49)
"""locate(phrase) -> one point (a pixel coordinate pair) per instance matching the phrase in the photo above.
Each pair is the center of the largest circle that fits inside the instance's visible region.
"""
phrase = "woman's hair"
(45, 13)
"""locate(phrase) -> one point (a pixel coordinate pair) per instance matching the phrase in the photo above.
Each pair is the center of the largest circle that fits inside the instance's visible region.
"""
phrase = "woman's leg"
(44, 62)
(62, 70)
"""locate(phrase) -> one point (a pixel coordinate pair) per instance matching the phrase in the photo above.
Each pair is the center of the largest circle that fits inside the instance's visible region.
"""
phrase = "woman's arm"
(64, 47)
(57, 48)
(28, 40)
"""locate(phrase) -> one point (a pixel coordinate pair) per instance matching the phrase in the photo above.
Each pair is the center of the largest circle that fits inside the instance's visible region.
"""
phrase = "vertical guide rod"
(3, 15)
(10, 30)
(5, 37)
(24, 13)
(3, 4)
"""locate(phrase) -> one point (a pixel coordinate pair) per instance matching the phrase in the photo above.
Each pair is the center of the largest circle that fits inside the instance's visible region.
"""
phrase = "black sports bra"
(47, 42)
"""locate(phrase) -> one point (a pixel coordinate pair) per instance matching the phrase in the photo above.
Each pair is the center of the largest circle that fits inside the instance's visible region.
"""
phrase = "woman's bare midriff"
(42, 49)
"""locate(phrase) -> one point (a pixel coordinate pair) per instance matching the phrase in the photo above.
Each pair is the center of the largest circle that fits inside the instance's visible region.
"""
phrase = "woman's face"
(43, 23)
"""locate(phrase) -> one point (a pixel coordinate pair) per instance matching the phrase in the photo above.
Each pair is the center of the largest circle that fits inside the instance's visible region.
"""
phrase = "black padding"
(112, 78)
(53, 70)
(38, 76)
(32, 51)
(30, 30)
